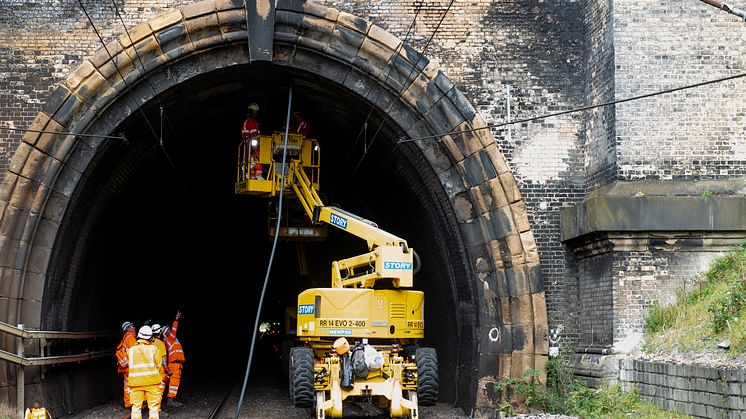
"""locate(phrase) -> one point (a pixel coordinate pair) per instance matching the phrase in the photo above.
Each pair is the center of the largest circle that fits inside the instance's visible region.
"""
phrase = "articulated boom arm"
(389, 256)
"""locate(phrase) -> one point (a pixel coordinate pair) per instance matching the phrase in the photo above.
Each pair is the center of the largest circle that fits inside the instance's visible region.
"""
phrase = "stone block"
(516, 249)
(353, 22)
(384, 37)
(539, 304)
(452, 181)
(512, 194)
(165, 20)
(520, 217)
(229, 4)
(520, 363)
(344, 43)
(473, 170)
(81, 73)
(453, 147)
(198, 9)
(315, 33)
(373, 59)
(529, 246)
(134, 35)
(463, 207)
(204, 30)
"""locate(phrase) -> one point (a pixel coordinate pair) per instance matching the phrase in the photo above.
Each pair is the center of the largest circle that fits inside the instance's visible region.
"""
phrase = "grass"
(712, 311)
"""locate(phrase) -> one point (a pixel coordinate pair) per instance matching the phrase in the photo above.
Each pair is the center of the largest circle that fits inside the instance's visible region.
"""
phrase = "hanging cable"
(129, 89)
(584, 108)
(388, 67)
(271, 255)
(409, 81)
(108, 137)
(152, 88)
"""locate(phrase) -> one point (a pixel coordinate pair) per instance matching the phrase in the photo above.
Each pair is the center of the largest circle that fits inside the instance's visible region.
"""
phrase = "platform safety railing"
(22, 361)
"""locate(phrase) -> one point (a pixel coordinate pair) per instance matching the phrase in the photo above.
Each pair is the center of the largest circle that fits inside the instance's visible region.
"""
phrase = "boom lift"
(355, 340)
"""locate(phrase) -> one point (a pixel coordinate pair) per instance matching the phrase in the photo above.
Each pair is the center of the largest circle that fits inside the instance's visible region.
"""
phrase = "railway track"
(221, 409)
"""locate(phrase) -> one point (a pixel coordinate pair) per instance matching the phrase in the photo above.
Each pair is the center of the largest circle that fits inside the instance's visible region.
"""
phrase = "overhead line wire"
(142, 66)
(388, 67)
(581, 109)
(129, 90)
(408, 82)
(111, 137)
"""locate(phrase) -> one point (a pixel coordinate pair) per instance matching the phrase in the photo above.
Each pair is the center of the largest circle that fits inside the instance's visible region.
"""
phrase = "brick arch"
(338, 46)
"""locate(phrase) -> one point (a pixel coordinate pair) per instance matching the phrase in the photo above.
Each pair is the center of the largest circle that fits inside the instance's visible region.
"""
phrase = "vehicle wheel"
(427, 376)
(285, 356)
(301, 376)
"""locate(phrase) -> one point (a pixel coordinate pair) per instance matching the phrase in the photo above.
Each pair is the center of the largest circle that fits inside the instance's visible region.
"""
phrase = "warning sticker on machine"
(342, 323)
(340, 332)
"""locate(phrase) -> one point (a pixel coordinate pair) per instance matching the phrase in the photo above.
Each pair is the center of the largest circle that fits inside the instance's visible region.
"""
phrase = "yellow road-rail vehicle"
(354, 340)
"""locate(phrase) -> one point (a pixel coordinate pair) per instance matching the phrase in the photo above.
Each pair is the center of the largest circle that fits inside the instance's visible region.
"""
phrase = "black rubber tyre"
(285, 356)
(427, 376)
(301, 376)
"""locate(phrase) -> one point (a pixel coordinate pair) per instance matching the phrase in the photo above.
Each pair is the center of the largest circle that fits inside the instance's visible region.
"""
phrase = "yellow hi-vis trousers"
(152, 394)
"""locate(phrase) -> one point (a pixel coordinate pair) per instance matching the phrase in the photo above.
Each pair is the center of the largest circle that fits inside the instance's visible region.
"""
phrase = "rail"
(22, 361)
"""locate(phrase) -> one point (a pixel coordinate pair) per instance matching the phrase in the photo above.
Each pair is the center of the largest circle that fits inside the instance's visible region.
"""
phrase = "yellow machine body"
(360, 313)
(396, 382)
(386, 319)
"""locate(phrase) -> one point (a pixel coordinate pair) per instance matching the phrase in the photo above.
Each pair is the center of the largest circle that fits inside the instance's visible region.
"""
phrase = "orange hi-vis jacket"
(173, 346)
(145, 364)
(128, 340)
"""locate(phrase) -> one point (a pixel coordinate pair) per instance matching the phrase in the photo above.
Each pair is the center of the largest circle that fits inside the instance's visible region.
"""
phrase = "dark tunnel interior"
(154, 229)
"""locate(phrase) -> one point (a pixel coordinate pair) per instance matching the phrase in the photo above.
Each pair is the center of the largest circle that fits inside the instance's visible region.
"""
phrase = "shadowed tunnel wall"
(62, 196)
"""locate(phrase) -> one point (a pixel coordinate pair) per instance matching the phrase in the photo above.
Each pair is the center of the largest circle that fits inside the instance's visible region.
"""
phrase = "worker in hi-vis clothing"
(147, 364)
(128, 340)
(162, 346)
(175, 359)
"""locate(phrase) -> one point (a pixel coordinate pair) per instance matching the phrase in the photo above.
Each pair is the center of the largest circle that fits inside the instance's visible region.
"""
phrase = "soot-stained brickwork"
(511, 59)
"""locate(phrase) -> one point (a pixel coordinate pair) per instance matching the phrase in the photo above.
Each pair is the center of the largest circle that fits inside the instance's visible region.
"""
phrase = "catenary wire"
(409, 81)
(389, 67)
(152, 88)
(581, 109)
(271, 255)
(150, 126)
(109, 137)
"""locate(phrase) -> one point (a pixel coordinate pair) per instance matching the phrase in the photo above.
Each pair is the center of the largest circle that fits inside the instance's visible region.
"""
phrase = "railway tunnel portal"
(97, 230)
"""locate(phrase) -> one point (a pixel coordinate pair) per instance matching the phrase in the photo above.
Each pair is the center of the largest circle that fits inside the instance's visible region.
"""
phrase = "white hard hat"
(145, 332)
(125, 325)
(156, 328)
(254, 107)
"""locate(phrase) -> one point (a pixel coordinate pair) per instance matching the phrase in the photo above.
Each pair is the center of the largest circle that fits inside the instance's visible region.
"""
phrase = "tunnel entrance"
(173, 235)
(114, 231)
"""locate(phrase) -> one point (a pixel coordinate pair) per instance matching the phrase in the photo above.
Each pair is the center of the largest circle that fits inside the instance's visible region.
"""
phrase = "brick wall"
(552, 56)
(691, 134)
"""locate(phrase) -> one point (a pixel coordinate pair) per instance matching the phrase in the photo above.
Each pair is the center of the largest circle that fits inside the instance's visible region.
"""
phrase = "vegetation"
(566, 395)
(713, 311)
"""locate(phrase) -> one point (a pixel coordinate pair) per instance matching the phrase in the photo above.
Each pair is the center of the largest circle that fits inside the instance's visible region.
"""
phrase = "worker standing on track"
(147, 363)
(250, 138)
(175, 359)
(128, 340)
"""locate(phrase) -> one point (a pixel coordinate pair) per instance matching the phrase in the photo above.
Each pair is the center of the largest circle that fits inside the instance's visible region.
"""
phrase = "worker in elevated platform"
(147, 367)
(128, 340)
(299, 125)
(250, 138)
